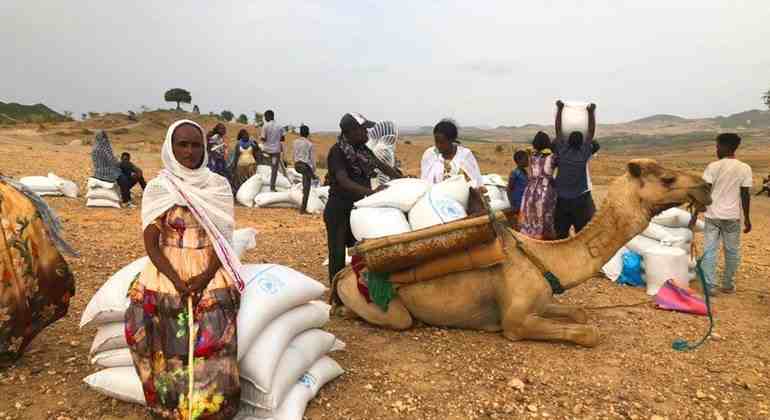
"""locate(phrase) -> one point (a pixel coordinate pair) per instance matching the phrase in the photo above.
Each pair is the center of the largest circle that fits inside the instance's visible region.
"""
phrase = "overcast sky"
(480, 62)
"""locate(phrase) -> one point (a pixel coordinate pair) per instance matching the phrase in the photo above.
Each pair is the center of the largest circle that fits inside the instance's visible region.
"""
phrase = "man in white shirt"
(730, 181)
(272, 136)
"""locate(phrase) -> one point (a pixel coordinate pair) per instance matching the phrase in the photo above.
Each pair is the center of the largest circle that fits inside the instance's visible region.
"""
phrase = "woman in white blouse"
(448, 157)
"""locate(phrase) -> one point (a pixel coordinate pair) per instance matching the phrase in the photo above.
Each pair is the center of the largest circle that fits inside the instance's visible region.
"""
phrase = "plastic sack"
(280, 180)
(119, 382)
(673, 298)
(272, 199)
(101, 202)
(401, 194)
(369, 223)
(113, 358)
(677, 218)
(109, 337)
(271, 290)
(614, 266)
(433, 209)
(631, 274)
(259, 361)
(248, 190)
(574, 117)
(456, 188)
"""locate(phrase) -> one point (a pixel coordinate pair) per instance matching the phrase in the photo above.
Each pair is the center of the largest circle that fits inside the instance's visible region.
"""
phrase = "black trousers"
(126, 181)
(338, 237)
(307, 178)
(573, 212)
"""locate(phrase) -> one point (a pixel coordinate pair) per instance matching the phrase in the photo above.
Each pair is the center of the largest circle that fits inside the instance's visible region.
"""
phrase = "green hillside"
(18, 113)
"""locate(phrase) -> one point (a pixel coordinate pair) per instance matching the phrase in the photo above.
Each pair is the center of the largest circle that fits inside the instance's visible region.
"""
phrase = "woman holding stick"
(187, 217)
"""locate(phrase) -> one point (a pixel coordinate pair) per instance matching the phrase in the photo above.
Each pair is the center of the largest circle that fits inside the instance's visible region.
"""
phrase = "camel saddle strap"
(479, 256)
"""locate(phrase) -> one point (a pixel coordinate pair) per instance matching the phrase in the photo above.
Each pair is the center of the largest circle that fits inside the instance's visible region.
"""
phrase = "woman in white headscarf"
(187, 217)
(448, 157)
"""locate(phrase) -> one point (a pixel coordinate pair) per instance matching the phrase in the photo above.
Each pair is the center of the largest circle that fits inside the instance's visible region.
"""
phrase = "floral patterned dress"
(539, 200)
(157, 330)
(36, 284)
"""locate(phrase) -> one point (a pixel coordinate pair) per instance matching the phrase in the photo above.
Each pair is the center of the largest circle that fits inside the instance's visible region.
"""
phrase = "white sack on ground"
(293, 176)
(494, 180)
(121, 383)
(248, 190)
(661, 234)
(374, 222)
(109, 337)
(280, 180)
(110, 302)
(271, 199)
(574, 117)
(50, 185)
(314, 203)
(271, 290)
(100, 202)
(665, 263)
(435, 209)
(401, 194)
(456, 188)
(259, 360)
(293, 407)
(113, 358)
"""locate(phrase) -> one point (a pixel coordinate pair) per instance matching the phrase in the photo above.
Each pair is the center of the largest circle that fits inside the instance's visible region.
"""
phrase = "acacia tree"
(179, 96)
(766, 99)
(243, 119)
(227, 115)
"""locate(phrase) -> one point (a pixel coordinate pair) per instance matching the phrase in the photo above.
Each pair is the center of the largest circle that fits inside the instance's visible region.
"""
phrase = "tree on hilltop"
(243, 119)
(179, 96)
(766, 99)
(227, 115)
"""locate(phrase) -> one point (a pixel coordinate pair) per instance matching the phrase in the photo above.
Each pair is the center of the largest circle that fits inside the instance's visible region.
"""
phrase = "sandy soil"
(428, 373)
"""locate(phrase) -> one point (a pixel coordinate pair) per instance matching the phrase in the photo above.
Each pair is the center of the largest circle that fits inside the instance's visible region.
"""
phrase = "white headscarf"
(206, 194)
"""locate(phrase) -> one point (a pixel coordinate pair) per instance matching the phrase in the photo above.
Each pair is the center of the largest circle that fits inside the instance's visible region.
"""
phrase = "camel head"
(659, 188)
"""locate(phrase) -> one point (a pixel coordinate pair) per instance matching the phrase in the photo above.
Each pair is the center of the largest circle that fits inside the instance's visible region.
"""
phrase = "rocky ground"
(429, 373)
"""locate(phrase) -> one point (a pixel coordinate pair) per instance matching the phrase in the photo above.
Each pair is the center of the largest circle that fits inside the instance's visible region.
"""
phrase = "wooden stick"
(190, 355)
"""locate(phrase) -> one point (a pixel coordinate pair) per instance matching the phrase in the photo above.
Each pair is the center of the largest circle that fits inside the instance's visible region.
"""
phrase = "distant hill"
(659, 119)
(748, 119)
(13, 113)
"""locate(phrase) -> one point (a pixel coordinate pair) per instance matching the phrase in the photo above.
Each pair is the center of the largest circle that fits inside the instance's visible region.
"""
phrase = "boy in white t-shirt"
(730, 181)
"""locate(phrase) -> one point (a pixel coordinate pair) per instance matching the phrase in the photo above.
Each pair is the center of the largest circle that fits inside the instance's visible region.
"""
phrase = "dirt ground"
(429, 373)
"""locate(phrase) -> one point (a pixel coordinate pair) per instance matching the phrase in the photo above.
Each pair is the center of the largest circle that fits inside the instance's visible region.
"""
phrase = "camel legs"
(397, 316)
(535, 327)
(573, 313)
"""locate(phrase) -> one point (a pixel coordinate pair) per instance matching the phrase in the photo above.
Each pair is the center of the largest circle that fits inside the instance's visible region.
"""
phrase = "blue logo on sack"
(270, 284)
(308, 380)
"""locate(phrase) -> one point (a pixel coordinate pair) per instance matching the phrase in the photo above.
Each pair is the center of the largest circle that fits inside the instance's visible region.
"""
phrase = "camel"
(513, 297)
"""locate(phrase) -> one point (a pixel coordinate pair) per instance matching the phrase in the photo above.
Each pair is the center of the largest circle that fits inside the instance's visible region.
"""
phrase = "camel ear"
(635, 169)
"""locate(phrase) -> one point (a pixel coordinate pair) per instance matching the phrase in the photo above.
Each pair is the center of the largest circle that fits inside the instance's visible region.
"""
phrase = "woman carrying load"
(448, 157)
(187, 217)
(351, 167)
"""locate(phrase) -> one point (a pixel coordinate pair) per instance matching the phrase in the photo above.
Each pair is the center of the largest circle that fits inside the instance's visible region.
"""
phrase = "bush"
(120, 131)
(407, 142)
(86, 132)
(499, 148)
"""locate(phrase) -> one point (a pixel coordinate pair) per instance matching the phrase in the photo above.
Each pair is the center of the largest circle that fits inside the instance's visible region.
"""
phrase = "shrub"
(499, 148)
(407, 142)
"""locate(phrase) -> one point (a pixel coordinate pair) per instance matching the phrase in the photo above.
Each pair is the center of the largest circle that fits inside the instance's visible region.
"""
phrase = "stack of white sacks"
(255, 192)
(409, 204)
(282, 351)
(665, 250)
(102, 194)
(50, 185)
